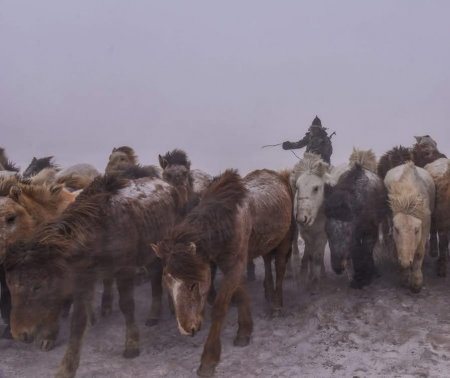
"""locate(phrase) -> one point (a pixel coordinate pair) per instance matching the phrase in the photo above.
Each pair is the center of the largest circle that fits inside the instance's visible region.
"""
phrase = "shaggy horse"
(104, 232)
(123, 161)
(23, 208)
(354, 208)
(230, 224)
(76, 177)
(308, 179)
(411, 197)
(440, 172)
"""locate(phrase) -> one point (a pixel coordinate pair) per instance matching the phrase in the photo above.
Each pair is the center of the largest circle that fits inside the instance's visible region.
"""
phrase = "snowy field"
(380, 331)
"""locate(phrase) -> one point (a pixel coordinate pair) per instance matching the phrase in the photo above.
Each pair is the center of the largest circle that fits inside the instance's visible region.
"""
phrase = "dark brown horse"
(103, 232)
(232, 223)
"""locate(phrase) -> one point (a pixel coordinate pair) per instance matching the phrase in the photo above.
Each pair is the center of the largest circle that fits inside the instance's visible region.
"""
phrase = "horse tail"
(365, 158)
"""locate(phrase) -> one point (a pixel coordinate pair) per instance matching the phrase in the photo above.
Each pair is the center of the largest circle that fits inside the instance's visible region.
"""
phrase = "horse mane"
(5, 163)
(404, 196)
(81, 218)
(311, 163)
(396, 156)
(139, 171)
(6, 183)
(365, 158)
(37, 165)
(212, 221)
(75, 181)
(176, 157)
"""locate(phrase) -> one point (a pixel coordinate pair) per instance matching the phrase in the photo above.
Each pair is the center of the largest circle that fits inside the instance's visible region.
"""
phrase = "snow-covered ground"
(382, 330)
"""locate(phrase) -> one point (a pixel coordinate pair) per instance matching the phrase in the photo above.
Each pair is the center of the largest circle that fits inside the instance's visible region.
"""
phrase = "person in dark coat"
(316, 140)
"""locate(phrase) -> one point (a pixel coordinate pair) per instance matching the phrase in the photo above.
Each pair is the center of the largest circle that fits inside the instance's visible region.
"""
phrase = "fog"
(219, 79)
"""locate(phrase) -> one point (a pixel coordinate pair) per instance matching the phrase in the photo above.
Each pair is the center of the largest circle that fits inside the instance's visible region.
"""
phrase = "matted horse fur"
(231, 223)
(396, 156)
(37, 165)
(6, 164)
(411, 199)
(105, 231)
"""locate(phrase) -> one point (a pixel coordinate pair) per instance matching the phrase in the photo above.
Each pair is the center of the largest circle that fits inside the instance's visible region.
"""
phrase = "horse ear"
(56, 189)
(157, 250)
(114, 149)
(34, 160)
(162, 162)
(418, 139)
(15, 192)
(192, 248)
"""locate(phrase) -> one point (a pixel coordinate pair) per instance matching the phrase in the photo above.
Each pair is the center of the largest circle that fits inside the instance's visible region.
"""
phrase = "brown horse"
(104, 231)
(23, 207)
(231, 224)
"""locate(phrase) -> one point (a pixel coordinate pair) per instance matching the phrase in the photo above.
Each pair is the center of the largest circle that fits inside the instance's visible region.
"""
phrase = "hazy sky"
(220, 78)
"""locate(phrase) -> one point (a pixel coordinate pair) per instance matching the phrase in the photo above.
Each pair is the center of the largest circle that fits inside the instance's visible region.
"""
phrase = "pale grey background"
(219, 78)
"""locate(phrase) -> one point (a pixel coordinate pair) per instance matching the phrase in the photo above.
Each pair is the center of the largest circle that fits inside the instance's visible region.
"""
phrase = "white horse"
(411, 193)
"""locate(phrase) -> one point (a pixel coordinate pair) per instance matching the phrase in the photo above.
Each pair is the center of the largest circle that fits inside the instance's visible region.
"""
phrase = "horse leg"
(71, 359)
(5, 304)
(298, 251)
(281, 254)
(212, 290)
(125, 287)
(269, 290)
(155, 308)
(107, 296)
(416, 278)
(245, 320)
(434, 244)
(251, 271)
(212, 348)
(443, 254)
(318, 267)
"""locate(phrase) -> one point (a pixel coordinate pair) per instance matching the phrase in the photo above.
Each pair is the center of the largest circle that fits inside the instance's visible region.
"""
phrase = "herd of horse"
(63, 230)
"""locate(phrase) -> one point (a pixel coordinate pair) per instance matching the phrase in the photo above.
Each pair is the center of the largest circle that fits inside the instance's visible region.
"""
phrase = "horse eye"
(36, 288)
(315, 189)
(416, 231)
(193, 287)
(10, 219)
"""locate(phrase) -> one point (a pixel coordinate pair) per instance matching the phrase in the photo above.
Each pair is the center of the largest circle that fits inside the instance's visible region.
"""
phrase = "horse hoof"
(206, 371)
(131, 353)
(276, 312)
(241, 341)
(415, 289)
(151, 322)
(106, 311)
(47, 345)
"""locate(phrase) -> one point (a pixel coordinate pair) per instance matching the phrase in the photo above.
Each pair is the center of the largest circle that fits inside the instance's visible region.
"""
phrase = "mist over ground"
(219, 79)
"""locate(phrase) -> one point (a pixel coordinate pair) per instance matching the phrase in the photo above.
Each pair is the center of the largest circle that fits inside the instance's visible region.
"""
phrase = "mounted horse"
(23, 207)
(106, 231)
(354, 208)
(411, 197)
(231, 224)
